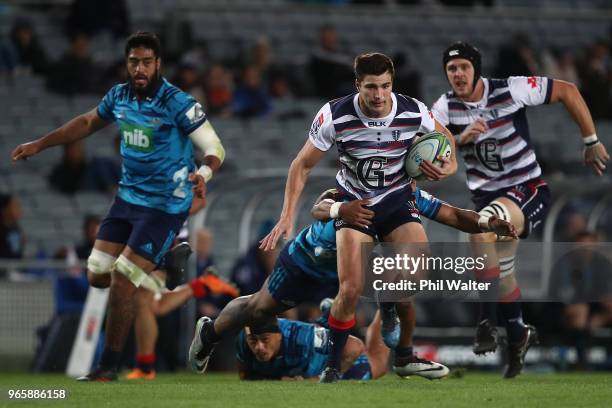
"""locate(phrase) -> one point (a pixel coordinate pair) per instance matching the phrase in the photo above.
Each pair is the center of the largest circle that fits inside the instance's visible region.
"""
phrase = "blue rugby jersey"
(303, 352)
(157, 152)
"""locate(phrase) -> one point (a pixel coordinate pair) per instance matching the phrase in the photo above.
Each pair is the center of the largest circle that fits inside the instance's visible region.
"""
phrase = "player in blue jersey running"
(307, 264)
(159, 125)
(291, 350)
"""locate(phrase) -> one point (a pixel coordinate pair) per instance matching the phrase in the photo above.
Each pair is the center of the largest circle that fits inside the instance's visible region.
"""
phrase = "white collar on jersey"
(366, 120)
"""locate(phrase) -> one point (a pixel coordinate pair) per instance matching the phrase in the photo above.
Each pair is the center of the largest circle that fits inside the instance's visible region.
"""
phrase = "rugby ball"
(428, 147)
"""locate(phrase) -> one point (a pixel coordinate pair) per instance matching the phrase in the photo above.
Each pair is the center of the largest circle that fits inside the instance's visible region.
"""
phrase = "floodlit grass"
(225, 390)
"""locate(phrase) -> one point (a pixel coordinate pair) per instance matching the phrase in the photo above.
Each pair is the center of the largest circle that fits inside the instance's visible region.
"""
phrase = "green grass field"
(225, 390)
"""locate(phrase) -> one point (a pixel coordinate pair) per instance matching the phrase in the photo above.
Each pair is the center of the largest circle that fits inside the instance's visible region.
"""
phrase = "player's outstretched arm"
(75, 129)
(595, 153)
(353, 212)
(322, 206)
(301, 166)
(471, 222)
(435, 173)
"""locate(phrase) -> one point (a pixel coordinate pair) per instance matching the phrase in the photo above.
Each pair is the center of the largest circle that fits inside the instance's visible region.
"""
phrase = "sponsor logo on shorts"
(148, 248)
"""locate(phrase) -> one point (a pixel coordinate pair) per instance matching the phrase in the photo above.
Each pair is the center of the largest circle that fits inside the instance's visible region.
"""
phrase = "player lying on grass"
(308, 263)
(291, 350)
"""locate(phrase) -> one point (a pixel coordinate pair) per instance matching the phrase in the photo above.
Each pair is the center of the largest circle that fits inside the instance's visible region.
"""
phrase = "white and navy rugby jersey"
(371, 150)
(502, 156)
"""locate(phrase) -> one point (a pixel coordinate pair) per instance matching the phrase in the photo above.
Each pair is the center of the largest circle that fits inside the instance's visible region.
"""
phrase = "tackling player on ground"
(489, 120)
(291, 350)
(159, 125)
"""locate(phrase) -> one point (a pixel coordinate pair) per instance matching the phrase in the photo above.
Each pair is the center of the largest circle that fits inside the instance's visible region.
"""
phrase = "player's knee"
(98, 281)
(130, 271)
(354, 348)
(258, 309)
(100, 263)
(498, 209)
(495, 208)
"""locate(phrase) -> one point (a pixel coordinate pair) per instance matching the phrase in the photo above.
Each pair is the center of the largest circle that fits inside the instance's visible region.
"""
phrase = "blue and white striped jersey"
(371, 150)
(502, 156)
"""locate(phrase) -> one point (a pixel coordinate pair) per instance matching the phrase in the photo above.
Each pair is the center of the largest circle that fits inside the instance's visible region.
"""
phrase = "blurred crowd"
(252, 83)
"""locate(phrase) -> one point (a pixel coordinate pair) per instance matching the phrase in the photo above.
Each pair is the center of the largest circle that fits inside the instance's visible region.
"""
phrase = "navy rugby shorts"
(290, 286)
(532, 197)
(147, 231)
(395, 210)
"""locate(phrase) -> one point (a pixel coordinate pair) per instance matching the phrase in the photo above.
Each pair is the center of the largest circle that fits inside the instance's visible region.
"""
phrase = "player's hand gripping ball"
(431, 147)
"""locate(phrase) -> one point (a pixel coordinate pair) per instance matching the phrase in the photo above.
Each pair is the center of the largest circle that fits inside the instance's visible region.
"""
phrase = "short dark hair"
(372, 63)
(144, 39)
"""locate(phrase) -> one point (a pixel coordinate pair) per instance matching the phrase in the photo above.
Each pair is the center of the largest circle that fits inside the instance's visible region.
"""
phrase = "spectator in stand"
(517, 58)
(75, 72)
(24, 46)
(251, 270)
(93, 16)
(560, 64)
(187, 79)
(91, 225)
(251, 99)
(331, 69)
(12, 240)
(71, 288)
(76, 173)
(597, 81)
(261, 57)
(582, 279)
(69, 175)
(407, 79)
(204, 258)
(104, 172)
(284, 103)
(218, 88)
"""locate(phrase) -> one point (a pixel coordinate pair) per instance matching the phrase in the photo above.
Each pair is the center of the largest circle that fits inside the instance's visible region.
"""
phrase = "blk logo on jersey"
(377, 124)
(137, 138)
